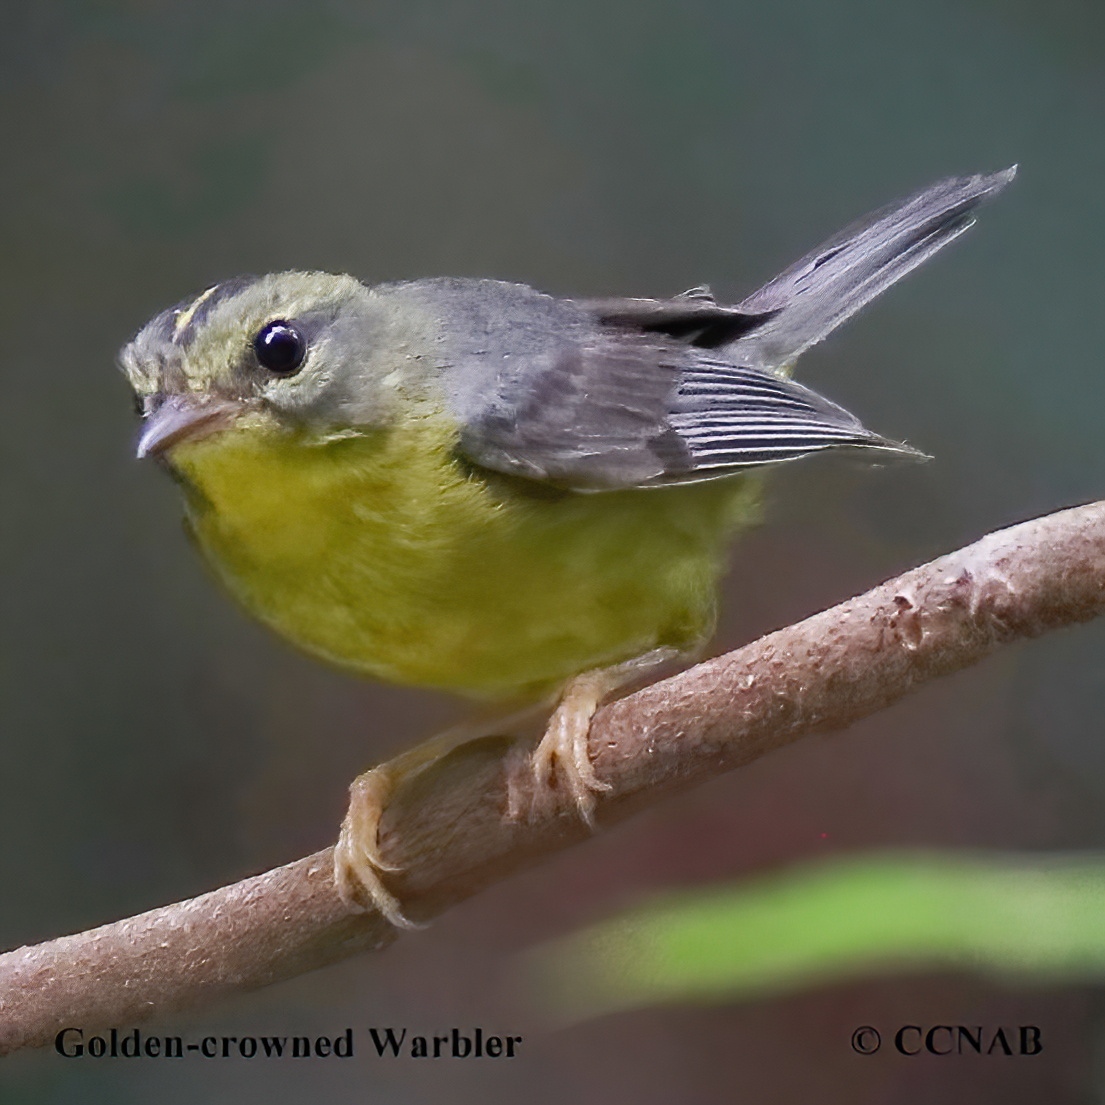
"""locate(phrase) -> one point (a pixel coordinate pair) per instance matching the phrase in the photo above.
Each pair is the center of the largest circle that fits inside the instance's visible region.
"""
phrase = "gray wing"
(592, 415)
(728, 418)
(635, 392)
(630, 412)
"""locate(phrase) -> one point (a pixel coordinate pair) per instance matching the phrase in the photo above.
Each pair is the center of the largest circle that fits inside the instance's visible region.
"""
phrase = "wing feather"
(619, 393)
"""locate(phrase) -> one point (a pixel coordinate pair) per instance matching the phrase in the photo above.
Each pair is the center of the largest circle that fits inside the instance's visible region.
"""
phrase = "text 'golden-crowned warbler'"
(468, 485)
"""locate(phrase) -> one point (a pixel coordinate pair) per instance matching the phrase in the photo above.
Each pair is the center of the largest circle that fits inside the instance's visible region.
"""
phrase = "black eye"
(280, 348)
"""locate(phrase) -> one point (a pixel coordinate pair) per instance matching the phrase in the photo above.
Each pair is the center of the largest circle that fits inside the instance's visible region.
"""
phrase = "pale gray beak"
(179, 417)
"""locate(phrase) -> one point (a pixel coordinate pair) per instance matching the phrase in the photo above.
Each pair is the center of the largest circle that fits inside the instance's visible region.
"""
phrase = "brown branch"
(447, 830)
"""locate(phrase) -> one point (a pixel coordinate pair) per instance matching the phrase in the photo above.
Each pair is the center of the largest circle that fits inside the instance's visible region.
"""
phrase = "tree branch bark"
(447, 830)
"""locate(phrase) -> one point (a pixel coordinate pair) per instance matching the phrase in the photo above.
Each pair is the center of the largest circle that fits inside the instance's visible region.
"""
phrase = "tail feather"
(827, 286)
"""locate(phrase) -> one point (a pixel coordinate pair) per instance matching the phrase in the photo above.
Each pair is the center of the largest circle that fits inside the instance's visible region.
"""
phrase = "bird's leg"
(357, 859)
(561, 761)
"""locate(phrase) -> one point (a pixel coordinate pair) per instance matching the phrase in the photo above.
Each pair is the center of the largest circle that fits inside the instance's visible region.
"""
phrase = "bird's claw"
(357, 860)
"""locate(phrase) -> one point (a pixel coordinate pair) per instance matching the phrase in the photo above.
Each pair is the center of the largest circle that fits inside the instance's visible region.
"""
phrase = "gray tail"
(818, 293)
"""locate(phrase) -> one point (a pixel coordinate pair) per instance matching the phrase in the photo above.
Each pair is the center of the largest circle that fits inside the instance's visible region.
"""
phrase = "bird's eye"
(280, 348)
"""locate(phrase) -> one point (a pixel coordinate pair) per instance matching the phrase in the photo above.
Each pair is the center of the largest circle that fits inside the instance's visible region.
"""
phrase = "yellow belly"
(381, 553)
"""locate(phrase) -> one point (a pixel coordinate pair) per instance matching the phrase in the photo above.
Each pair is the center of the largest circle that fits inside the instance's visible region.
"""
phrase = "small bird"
(469, 485)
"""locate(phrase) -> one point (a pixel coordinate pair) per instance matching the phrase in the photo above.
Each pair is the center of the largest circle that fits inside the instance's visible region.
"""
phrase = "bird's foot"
(357, 859)
(561, 762)
(358, 863)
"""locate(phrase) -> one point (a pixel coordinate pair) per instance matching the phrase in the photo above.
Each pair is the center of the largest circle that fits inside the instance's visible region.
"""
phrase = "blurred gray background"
(156, 744)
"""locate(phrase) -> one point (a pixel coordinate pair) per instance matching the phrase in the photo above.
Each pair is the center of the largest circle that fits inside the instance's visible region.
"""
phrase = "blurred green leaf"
(1032, 918)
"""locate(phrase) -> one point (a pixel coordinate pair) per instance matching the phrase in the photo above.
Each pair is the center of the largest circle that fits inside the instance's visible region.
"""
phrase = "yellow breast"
(384, 554)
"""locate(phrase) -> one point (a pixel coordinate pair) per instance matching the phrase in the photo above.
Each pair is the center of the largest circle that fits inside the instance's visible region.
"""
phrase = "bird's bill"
(184, 417)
